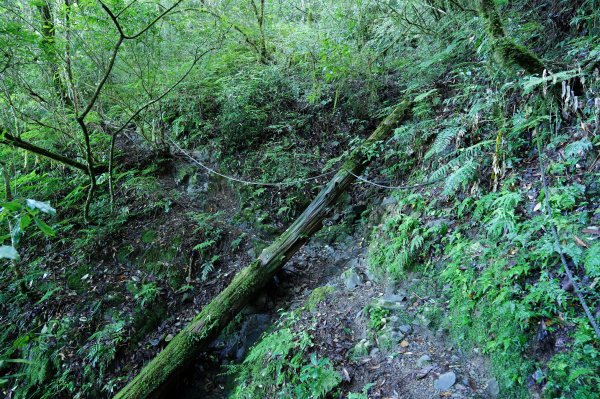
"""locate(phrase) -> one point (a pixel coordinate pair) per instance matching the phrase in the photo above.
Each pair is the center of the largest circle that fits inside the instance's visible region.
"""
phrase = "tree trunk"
(509, 53)
(506, 50)
(183, 349)
(9, 139)
(48, 43)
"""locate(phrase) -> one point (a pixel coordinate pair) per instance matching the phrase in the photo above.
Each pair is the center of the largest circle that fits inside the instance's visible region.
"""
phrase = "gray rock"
(395, 297)
(405, 328)
(423, 372)
(371, 275)
(445, 381)
(423, 361)
(389, 201)
(394, 336)
(493, 388)
(352, 279)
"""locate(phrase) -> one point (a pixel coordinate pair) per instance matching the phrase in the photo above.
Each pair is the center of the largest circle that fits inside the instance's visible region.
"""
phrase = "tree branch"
(10, 140)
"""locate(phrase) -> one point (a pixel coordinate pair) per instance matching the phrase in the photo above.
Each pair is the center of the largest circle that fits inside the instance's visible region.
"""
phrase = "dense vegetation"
(124, 126)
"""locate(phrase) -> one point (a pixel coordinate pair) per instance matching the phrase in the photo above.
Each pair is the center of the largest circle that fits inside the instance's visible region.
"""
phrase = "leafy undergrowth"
(85, 305)
(501, 289)
(112, 292)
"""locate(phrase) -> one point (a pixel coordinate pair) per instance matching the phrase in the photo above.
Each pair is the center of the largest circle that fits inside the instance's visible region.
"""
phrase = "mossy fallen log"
(195, 337)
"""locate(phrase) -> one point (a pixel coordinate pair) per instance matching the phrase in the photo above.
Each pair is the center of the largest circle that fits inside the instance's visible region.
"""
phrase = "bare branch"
(166, 92)
(125, 8)
(102, 81)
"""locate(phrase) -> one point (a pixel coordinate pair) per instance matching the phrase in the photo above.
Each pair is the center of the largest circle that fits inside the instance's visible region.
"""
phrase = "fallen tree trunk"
(8, 139)
(183, 349)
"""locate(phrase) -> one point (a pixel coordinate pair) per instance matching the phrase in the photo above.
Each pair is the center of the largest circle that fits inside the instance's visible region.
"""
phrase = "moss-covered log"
(183, 349)
(505, 49)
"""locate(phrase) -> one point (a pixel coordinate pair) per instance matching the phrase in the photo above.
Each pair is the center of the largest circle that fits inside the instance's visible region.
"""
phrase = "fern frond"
(461, 177)
(443, 140)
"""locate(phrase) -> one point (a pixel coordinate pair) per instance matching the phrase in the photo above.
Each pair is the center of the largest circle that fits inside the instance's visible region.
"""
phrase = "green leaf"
(48, 294)
(24, 222)
(13, 206)
(47, 230)
(423, 96)
(8, 252)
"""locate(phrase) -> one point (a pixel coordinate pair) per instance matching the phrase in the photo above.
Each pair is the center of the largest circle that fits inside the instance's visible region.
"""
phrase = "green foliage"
(281, 365)
(144, 294)
(16, 217)
(280, 100)
(377, 316)
(402, 239)
(102, 347)
(362, 395)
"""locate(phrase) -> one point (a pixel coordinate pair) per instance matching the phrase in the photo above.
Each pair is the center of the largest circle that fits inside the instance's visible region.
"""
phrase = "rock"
(445, 381)
(351, 279)
(405, 328)
(423, 361)
(395, 298)
(460, 387)
(371, 275)
(423, 372)
(394, 336)
(493, 388)
(389, 201)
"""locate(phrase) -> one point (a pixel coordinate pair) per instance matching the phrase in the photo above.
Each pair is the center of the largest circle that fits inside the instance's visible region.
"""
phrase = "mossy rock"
(74, 278)
(149, 236)
(317, 296)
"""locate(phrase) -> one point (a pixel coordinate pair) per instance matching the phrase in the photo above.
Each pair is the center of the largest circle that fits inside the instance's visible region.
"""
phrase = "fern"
(578, 149)
(443, 140)
(461, 177)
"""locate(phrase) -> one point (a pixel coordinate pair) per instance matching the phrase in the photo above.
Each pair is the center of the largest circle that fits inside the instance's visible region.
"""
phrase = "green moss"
(149, 236)
(489, 12)
(74, 278)
(317, 296)
(510, 53)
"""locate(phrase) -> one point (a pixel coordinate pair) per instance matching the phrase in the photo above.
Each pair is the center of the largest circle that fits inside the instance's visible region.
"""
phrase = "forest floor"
(376, 331)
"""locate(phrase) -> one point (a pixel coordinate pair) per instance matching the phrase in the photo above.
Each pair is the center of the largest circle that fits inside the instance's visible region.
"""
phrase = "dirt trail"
(403, 358)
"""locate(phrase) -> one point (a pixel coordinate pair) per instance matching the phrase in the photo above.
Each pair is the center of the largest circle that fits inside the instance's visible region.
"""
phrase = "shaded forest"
(299, 199)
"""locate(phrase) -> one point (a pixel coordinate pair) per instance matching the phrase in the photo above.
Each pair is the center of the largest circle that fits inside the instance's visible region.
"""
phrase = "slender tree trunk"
(49, 47)
(6, 177)
(509, 53)
(183, 349)
(506, 50)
